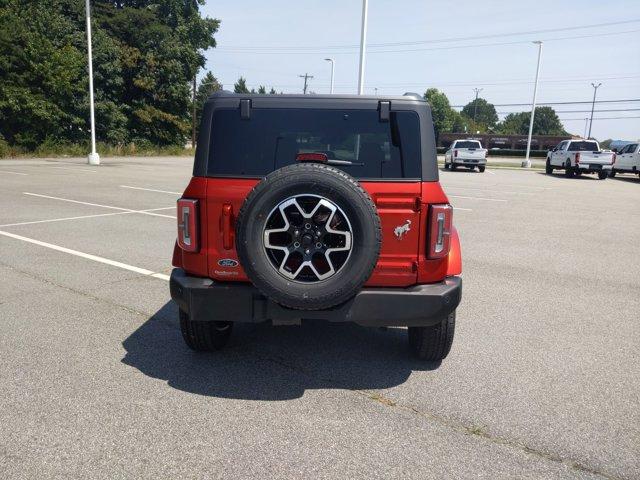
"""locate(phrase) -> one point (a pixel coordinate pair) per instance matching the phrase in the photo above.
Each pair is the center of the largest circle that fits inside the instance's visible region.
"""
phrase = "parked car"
(627, 160)
(580, 156)
(317, 207)
(466, 153)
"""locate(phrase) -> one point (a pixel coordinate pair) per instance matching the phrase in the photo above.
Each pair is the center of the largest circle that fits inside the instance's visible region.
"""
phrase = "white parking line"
(150, 190)
(13, 173)
(84, 216)
(478, 198)
(465, 209)
(88, 256)
(99, 205)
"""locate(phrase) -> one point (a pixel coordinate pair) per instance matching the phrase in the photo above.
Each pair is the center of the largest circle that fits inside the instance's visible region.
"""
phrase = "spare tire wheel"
(308, 236)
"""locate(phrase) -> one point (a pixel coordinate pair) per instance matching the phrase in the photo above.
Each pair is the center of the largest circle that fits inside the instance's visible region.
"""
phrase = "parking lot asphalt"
(543, 380)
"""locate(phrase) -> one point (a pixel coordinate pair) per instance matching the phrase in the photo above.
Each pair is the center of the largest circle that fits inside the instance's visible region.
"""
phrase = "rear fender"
(454, 259)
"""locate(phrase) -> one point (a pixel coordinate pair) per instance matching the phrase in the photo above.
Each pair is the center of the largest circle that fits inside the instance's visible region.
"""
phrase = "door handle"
(227, 214)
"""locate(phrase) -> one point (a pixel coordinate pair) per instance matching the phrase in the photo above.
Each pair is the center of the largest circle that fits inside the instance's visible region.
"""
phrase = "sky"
(455, 46)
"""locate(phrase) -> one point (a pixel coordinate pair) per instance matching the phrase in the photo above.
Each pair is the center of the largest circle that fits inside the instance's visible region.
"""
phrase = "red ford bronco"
(316, 207)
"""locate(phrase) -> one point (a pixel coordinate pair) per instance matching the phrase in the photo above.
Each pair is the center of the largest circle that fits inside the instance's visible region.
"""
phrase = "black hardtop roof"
(407, 97)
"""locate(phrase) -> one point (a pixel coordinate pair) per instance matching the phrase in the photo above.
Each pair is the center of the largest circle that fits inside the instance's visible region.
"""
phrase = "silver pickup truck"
(466, 153)
(578, 156)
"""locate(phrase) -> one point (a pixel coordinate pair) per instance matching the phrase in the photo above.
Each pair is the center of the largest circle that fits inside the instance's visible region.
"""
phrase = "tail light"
(455, 153)
(439, 236)
(614, 158)
(188, 233)
(577, 157)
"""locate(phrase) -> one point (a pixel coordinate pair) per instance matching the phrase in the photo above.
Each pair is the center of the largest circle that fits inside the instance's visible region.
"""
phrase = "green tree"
(208, 85)
(272, 91)
(240, 86)
(146, 53)
(485, 112)
(461, 124)
(262, 90)
(443, 114)
(545, 122)
(606, 143)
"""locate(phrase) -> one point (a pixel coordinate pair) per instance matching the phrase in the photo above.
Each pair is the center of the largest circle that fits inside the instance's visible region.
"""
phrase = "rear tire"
(433, 343)
(204, 336)
(454, 166)
(602, 174)
(481, 169)
(446, 166)
(568, 169)
(612, 174)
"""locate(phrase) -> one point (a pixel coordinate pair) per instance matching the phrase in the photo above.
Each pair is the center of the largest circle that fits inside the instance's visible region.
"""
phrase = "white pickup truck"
(579, 156)
(466, 153)
(627, 160)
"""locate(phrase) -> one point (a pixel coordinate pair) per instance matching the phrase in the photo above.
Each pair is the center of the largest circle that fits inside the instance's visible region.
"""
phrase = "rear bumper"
(420, 305)
(470, 161)
(593, 167)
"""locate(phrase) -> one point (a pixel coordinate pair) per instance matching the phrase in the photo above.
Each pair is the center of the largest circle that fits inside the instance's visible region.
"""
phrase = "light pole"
(94, 158)
(332, 71)
(593, 104)
(586, 122)
(475, 103)
(527, 162)
(363, 41)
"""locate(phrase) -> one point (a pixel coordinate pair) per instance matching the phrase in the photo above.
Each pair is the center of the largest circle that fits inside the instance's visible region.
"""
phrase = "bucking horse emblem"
(400, 230)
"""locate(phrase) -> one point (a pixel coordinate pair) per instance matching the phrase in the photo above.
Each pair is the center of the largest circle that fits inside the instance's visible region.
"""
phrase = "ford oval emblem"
(228, 262)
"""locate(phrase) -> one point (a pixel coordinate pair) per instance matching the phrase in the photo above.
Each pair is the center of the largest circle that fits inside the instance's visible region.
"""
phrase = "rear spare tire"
(308, 236)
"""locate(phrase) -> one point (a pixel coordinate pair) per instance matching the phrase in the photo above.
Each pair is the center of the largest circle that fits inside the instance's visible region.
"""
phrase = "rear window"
(583, 147)
(468, 144)
(355, 141)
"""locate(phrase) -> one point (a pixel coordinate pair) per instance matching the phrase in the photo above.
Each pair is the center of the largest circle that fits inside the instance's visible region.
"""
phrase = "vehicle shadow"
(560, 175)
(630, 179)
(263, 362)
(458, 170)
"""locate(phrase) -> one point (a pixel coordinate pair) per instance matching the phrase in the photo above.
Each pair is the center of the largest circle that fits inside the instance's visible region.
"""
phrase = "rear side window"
(468, 144)
(355, 141)
(583, 147)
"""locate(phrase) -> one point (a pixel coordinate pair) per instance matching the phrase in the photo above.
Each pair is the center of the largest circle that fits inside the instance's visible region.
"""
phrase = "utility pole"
(332, 72)
(475, 103)
(94, 158)
(306, 77)
(527, 162)
(593, 104)
(363, 41)
(586, 122)
(193, 115)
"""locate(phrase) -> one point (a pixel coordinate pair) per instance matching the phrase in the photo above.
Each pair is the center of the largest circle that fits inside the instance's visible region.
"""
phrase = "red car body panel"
(403, 257)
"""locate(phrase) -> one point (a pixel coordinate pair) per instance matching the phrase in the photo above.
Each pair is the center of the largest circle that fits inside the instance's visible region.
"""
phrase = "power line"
(557, 103)
(598, 118)
(440, 40)
(583, 111)
(453, 47)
